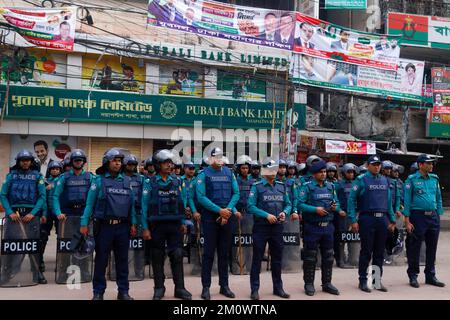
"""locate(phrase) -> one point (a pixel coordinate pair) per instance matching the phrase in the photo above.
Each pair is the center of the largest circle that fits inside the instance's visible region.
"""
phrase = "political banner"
(438, 119)
(240, 87)
(422, 31)
(112, 73)
(350, 147)
(403, 83)
(181, 81)
(48, 28)
(34, 68)
(264, 27)
(322, 39)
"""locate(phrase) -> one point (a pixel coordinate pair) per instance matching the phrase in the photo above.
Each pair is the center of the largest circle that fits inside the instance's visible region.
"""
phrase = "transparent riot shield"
(194, 267)
(136, 258)
(242, 246)
(20, 247)
(70, 267)
(291, 251)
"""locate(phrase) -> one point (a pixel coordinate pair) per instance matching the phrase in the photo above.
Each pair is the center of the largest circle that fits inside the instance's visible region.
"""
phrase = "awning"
(330, 135)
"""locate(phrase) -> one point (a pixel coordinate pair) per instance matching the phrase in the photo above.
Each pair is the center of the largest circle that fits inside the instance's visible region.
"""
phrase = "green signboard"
(345, 4)
(117, 107)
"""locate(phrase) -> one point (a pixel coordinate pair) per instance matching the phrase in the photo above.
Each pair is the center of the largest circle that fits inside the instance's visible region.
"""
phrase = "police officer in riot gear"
(269, 203)
(244, 180)
(218, 193)
(332, 172)
(23, 197)
(163, 214)
(423, 207)
(343, 188)
(282, 170)
(318, 203)
(256, 170)
(309, 162)
(54, 170)
(291, 170)
(110, 202)
(413, 168)
(372, 196)
(67, 165)
(149, 167)
(188, 179)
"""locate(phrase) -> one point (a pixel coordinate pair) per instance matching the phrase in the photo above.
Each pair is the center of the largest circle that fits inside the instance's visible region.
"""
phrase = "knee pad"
(310, 256)
(328, 255)
(176, 254)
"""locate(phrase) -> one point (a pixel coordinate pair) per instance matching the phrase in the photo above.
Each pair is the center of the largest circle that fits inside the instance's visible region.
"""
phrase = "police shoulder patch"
(355, 187)
(251, 194)
(408, 186)
(145, 191)
(94, 186)
(41, 181)
(199, 181)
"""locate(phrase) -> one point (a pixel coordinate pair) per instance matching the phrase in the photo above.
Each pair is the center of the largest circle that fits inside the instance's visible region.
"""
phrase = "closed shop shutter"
(100, 145)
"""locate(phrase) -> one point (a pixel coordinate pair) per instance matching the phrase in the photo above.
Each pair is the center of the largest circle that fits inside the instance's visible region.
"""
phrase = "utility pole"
(405, 118)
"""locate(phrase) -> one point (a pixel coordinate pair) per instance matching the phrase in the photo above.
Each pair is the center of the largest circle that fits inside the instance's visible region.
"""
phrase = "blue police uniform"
(423, 206)
(71, 192)
(163, 205)
(318, 231)
(372, 196)
(110, 201)
(265, 199)
(244, 192)
(216, 189)
(137, 184)
(343, 189)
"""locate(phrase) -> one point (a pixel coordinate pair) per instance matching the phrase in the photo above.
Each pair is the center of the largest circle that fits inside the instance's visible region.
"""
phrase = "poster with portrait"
(234, 86)
(265, 27)
(52, 28)
(440, 78)
(323, 39)
(113, 73)
(47, 147)
(404, 83)
(182, 81)
(34, 68)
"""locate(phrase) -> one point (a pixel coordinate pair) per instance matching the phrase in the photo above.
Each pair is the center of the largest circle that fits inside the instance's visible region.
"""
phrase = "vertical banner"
(264, 27)
(48, 28)
(438, 119)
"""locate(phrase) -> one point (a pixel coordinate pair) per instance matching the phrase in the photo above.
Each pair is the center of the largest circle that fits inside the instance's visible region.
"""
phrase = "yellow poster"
(113, 73)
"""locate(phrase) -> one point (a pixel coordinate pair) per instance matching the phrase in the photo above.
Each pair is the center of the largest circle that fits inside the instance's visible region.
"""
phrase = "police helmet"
(349, 167)
(414, 167)
(36, 164)
(301, 167)
(189, 164)
(331, 166)
(282, 162)
(82, 246)
(148, 162)
(392, 241)
(163, 155)
(78, 154)
(110, 155)
(244, 159)
(362, 169)
(130, 159)
(269, 167)
(398, 168)
(205, 162)
(66, 163)
(312, 159)
(24, 155)
(387, 164)
(292, 164)
(55, 164)
(256, 164)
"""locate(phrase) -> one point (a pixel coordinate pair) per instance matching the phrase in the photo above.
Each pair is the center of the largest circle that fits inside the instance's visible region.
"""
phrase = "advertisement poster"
(438, 119)
(57, 146)
(322, 39)
(422, 31)
(350, 147)
(34, 68)
(113, 73)
(265, 27)
(48, 28)
(405, 83)
(240, 87)
(180, 81)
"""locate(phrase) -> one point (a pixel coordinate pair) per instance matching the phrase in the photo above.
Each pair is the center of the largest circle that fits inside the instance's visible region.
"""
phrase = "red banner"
(350, 147)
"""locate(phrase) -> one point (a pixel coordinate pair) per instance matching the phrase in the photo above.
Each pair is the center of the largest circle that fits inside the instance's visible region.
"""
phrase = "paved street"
(394, 279)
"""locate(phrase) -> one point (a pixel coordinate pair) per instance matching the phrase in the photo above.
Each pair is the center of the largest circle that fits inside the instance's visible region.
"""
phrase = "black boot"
(176, 262)
(309, 270)
(226, 291)
(327, 272)
(205, 294)
(363, 286)
(158, 256)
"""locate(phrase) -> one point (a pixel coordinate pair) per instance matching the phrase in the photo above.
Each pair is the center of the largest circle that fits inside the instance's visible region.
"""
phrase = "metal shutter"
(98, 147)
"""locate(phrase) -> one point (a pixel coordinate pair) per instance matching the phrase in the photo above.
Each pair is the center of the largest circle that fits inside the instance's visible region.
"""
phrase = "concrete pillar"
(74, 63)
(210, 80)
(5, 155)
(147, 148)
(151, 78)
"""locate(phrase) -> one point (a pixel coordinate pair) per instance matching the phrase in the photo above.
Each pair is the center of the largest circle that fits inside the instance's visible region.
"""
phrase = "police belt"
(425, 213)
(23, 211)
(113, 221)
(374, 214)
(319, 224)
